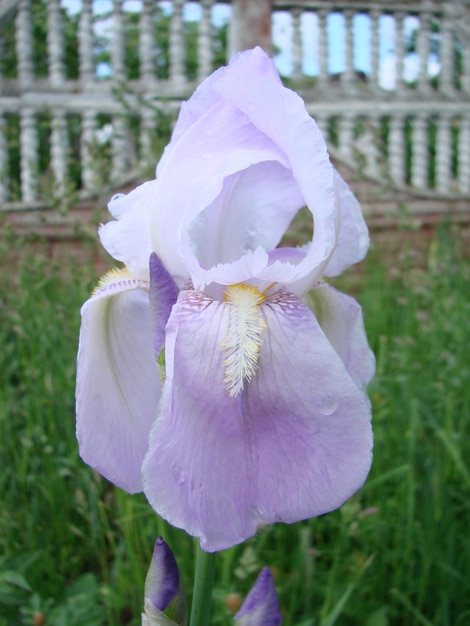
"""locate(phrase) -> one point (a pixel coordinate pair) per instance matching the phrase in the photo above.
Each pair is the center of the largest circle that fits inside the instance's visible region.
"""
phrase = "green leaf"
(13, 588)
(15, 579)
(378, 618)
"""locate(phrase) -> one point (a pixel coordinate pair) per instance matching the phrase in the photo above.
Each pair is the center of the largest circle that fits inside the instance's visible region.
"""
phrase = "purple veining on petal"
(301, 421)
(163, 295)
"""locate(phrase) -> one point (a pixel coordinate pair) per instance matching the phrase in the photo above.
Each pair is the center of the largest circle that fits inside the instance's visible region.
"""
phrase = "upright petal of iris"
(252, 156)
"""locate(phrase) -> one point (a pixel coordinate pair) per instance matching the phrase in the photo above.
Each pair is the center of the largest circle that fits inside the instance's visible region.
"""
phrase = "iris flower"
(260, 415)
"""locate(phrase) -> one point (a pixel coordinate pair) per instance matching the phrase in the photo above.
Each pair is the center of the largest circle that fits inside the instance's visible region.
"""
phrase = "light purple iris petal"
(163, 295)
(287, 254)
(118, 387)
(249, 265)
(163, 580)
(254, 126)
(261, 607)
(280, 114)
(353, 235)
(221, 143)
(278, 259)
(254, 209)
(294, 444)
(340, 317)
(248, 63)
(127, 238)
(253, 63)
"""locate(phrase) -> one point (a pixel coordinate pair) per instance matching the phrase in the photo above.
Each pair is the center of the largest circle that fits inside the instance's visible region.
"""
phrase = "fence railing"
(86, 98)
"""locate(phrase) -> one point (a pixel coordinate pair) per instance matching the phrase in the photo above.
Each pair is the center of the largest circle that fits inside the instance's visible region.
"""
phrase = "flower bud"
(261, 607)
(163, 591)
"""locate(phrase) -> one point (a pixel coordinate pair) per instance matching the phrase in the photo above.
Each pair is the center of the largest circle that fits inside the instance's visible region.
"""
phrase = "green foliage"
(190, 34)
(8, 58)
(71, 44)
(76, 550)
(39, 23)
(12, 136)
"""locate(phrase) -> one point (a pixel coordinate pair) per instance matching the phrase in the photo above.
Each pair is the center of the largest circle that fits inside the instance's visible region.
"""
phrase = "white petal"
(340, 317)
(353, 236)
(118, 385)
(254, 208)
(127, 239)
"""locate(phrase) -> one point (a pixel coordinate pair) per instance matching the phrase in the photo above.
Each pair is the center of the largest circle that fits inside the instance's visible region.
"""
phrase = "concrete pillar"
(29, 155)
(177, 45)
(420, 152)
(55, 43)
(24, 44)
(59, 150)
(204, 44)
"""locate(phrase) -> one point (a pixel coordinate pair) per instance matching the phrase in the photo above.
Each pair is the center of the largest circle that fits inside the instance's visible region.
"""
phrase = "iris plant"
(259, 413)
(164, 603)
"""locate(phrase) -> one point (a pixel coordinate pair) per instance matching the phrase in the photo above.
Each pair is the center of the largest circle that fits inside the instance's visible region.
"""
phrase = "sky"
(282, 39)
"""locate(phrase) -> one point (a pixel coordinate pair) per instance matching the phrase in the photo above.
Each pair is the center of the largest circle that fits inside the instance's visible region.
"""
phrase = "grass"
(74, 550)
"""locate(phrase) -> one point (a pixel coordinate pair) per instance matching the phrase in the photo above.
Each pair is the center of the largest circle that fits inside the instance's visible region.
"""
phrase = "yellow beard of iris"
(242, 339)
(115, 276)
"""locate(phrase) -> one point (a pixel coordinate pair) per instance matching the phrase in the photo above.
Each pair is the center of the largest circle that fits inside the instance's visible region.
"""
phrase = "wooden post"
(250, 25)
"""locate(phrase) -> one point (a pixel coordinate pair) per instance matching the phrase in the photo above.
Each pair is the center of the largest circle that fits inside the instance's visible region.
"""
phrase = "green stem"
(202, 595)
